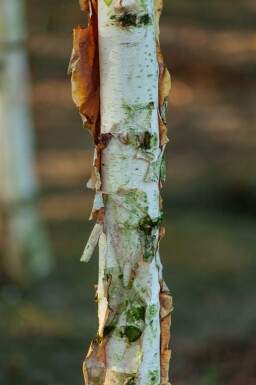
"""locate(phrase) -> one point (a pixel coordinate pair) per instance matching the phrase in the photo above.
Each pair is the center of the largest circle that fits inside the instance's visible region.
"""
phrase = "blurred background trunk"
(26, 250)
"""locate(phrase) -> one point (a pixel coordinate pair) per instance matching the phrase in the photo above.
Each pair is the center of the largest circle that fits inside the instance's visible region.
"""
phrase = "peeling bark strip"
(84, 67)
(119, 55)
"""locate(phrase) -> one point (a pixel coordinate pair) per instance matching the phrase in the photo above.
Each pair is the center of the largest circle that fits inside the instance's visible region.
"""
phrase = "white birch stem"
(26, 234)
(131, 347)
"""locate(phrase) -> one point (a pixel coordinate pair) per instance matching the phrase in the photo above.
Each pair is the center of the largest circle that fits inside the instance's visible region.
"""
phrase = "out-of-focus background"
(210, 202)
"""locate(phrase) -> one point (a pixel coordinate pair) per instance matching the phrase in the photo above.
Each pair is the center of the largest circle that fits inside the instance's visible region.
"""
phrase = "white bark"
(26, 234)
(131, 347)
(129, 107)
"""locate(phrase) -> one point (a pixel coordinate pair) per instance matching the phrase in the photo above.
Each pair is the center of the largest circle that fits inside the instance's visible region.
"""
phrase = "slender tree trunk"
(132, 88)
(27, 253)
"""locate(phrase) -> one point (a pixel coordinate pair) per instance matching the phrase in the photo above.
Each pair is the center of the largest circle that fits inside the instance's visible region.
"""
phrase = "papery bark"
(134, 304)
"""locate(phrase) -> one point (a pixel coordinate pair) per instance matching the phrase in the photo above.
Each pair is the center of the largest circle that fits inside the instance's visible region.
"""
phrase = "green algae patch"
(147, 224)
(132, 333)
(143, 4)
(134, 130)
(149, 227)
(134, 201)
(149, 141)
(136, 314)
(138, 196)
(153, 377)
(130, 109)
(133, 139)
(127, 19)
(163, 170)
(108, 330)
(142, 140)
(108, 2)
(145, 19)
(152, 311)
(150, 248)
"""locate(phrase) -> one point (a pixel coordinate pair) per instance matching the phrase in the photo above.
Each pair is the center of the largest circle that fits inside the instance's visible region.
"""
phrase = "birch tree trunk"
(27, 253)
(123, 105)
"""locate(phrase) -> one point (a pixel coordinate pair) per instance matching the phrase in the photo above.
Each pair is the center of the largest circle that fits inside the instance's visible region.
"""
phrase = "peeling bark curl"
(164, 77)
(166, 308)
(84, 69)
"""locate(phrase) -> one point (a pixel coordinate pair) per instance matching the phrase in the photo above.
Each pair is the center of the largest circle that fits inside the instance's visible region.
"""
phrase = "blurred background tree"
(209, 253)
(25, 244)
